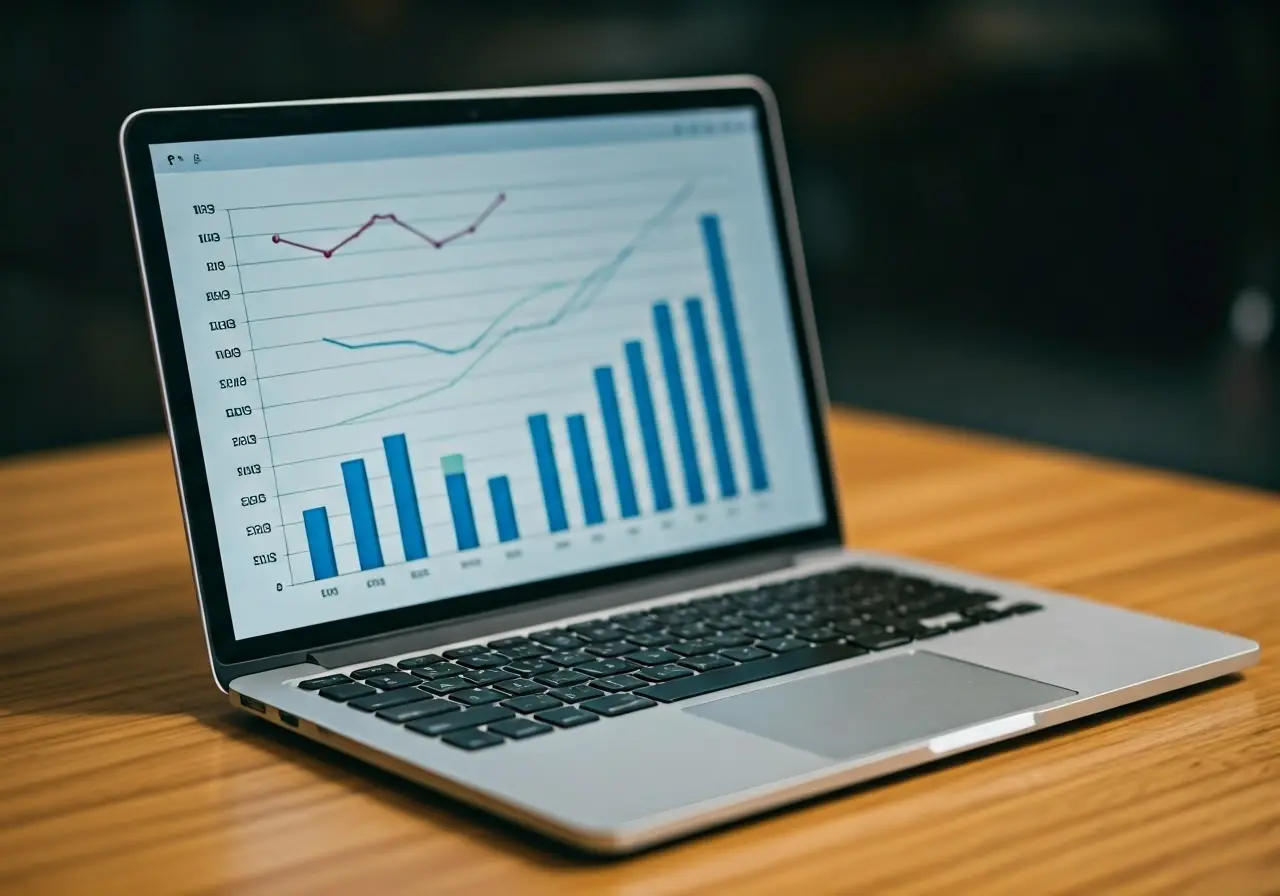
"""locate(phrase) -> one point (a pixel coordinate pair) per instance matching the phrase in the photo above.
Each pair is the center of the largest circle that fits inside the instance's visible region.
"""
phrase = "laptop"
(498, 423)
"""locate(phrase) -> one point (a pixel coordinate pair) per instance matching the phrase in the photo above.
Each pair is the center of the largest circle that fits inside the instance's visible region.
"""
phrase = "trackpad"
(879, 705)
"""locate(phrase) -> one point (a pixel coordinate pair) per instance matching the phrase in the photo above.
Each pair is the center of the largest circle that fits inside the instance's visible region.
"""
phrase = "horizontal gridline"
(356, 452)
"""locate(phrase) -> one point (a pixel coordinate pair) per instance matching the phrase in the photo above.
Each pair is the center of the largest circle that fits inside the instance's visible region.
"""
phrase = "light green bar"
(452, 463)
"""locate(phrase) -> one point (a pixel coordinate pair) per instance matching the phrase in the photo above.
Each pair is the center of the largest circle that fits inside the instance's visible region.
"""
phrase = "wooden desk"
(123, 768)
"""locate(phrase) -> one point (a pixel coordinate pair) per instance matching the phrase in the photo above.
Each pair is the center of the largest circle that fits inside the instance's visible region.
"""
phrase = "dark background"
(1053, 220)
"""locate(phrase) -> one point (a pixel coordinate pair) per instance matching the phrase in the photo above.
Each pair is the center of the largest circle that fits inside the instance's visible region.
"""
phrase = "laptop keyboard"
(484, 695)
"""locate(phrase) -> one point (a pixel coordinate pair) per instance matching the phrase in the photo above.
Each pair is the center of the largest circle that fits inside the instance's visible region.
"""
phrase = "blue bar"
(679, 402)
(360, 501)
(648, 425)
(733, 348)
(406, 495)
(608, 396)
(711, 397)
(585, 468)
(504, 510)
(548, 473)
(464, 518)
(324, 565)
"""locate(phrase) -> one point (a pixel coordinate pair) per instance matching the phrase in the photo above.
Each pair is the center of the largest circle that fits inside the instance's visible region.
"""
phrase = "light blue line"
(590, 287)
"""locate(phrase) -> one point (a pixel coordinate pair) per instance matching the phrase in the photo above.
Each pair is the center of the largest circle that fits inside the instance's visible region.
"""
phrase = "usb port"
(288, 718)
(255, 705)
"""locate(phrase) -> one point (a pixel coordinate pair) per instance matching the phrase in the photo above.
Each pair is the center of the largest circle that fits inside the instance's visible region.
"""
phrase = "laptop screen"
(434, 362)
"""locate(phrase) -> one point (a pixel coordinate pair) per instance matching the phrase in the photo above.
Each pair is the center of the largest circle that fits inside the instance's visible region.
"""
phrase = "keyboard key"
(472, 739)
(519, 687)
(730, 639)
(598, 634)
(569, 658)
(783, 645)
(370, 671)
(659, 638)
(393, 681)
(488, 676)
(880, 642)
(765, 630)
(439, 670)
(532, 703)
(470, 650)
(417, 662)
(745, 654)
(575, 693)
(525, 651)
(456, 721)
(602, 666)
(692, 648)
(706, 662)
(720, 679)
(617, 683)
(385, 700)
(529, 668)
(693, 630)
(483, 661)
(328, 681)
(502, 643)
(618, 704)
(1023, 607)
(556, 639)
(341, 693)
(634, 625)
(519, 729)
(817, 635)
(476, 696)
(668, 672)
(567, 717)
(656, 657)
(562, 678)
(611, 648)
(421, 710)
(446, 685)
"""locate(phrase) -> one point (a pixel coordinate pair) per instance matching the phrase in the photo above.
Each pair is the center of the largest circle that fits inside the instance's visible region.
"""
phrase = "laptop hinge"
(545, 612)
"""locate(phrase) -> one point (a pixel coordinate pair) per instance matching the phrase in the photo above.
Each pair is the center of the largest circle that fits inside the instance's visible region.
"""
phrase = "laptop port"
(255, 705)
(288, 718)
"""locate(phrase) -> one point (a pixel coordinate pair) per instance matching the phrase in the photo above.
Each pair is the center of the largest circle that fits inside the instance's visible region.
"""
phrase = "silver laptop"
(498, 423)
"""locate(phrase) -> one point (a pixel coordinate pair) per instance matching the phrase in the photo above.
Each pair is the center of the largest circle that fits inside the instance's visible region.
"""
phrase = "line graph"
(589, 287)
(390, 217)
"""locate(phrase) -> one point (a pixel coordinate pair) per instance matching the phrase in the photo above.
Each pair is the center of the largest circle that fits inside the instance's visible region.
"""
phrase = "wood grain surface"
(122, 768)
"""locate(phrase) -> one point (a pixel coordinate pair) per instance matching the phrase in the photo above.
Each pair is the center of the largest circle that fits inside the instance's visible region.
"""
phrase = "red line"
(434, 242)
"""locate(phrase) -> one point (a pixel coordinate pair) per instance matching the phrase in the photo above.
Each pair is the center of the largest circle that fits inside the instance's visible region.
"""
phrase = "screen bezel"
(217, 123)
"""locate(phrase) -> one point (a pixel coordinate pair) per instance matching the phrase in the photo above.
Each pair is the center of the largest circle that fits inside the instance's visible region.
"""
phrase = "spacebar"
(759, 670)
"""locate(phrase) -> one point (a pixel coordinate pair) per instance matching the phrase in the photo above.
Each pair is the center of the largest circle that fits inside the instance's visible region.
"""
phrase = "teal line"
(588, 289)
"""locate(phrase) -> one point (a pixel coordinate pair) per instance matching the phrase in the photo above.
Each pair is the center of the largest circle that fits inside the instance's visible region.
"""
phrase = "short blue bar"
(464, 519)
(504, 509)
(607, 393)
(733, 348)
(643, 396)
(665, 331)
(711, 397)
(544, 453)
(324, 565)
(356, 480)
(583, 465)
(406, 494)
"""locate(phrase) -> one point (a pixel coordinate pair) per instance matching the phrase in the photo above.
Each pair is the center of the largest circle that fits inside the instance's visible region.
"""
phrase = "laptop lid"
(429, 356)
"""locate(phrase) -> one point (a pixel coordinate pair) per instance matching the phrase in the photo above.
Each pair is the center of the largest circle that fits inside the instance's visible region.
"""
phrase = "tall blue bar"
(588, 486)
(356, 480)
(504, 509)
(406, 494)
(671, 372)
(711, 397)
(649, 437)
(544, 453)
(733, 348)
(608, 396)
(324, 565)
(455, 486)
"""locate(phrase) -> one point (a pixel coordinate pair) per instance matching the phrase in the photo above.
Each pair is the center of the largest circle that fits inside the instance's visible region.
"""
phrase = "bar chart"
(644, 382)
